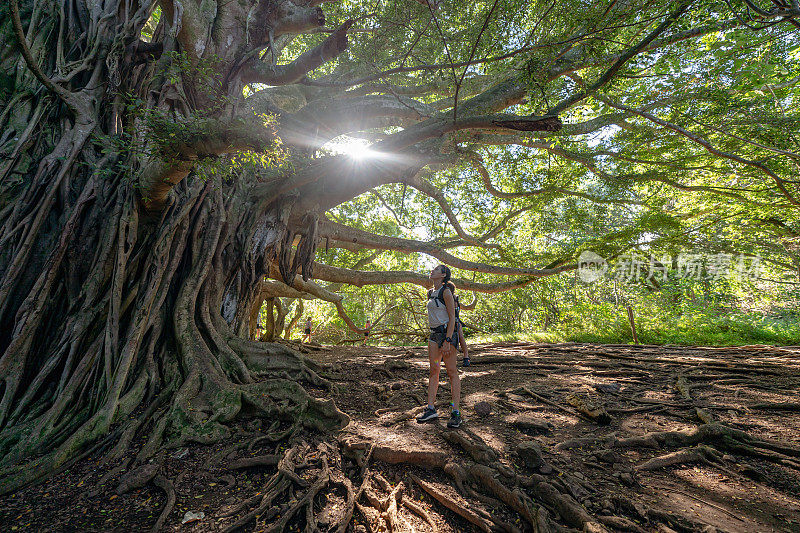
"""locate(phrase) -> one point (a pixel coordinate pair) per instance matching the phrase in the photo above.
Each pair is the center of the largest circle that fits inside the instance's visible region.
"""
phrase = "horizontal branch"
(272, 19)
(486, 178)
(300, 286)
(360, 278)
(322, 120)
(346, 234)
(493, 123)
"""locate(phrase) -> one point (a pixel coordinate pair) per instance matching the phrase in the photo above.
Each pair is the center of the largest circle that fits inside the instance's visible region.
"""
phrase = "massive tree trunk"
(126, 280)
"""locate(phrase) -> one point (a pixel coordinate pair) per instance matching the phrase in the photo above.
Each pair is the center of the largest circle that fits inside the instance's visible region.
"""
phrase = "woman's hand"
(446, 347)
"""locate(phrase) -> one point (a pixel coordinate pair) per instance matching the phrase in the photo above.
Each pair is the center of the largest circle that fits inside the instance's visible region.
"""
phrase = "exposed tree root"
(420, 511)
(584, 406)
(715, 433)
(167, 486)
(788, 406)
(453, 503)
(261, 460)
(698, 454)
(618, 523)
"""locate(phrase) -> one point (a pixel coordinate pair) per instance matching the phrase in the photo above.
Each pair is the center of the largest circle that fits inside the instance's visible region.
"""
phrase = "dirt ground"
(576, 437)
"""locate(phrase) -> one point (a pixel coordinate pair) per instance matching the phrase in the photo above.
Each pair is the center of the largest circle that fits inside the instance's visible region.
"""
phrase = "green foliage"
(611, 181)
(150, 26)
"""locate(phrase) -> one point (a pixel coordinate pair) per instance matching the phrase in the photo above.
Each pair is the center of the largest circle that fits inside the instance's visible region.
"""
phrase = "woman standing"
(307, 331)
(367, 327)
(442, 345)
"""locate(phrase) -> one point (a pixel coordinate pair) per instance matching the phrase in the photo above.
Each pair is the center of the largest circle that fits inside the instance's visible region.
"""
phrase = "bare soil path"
(557, 437)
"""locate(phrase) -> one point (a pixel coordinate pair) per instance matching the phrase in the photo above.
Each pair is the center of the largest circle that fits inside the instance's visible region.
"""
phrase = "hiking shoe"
(466, 362)
(427, 414)
(455, 420)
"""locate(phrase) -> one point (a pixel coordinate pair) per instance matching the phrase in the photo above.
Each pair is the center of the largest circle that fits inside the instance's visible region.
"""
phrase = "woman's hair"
(446, 271)
(452, 286)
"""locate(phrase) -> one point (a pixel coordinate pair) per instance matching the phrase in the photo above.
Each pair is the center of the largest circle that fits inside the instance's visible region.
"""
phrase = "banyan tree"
(164, 170)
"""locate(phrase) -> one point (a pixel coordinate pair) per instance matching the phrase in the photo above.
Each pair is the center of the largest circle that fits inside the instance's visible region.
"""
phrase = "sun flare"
(356, 148)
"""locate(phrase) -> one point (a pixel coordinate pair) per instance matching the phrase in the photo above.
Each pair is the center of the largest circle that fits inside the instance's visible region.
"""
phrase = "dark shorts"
(308, 331)
(439, 334)
(366, 333)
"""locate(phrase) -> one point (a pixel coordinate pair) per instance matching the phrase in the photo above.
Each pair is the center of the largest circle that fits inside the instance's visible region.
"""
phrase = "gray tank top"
(437, 312)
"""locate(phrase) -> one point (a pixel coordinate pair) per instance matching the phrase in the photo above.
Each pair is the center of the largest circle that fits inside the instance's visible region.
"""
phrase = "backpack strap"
(440, 295)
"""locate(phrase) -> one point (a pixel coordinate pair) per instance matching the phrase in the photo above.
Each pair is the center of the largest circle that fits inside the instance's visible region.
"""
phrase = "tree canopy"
(677, 133)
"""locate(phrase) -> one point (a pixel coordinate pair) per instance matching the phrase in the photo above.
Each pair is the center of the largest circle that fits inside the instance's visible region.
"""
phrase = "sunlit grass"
(537, 336)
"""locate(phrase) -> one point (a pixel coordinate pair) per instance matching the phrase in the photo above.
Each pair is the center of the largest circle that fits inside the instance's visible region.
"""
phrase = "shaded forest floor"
(627, 438)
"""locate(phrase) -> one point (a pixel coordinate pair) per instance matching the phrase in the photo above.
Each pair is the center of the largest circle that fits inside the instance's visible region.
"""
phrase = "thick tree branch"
(175, 154)
(437, 127)
(361, 278)
(317, 123)
(426, 188)
(310, 287)
(486, 178)
(339, 232)
(273, 18)
(256, 71)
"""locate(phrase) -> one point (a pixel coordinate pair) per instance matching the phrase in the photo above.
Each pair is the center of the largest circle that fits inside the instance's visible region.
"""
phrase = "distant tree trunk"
(293, 322)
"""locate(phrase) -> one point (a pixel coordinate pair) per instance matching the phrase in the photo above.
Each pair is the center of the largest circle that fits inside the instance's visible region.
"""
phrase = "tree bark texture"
(126, 280)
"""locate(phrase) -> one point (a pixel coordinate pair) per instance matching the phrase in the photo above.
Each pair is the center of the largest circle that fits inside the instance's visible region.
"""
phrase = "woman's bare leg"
(434, 356)
(455, 380)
